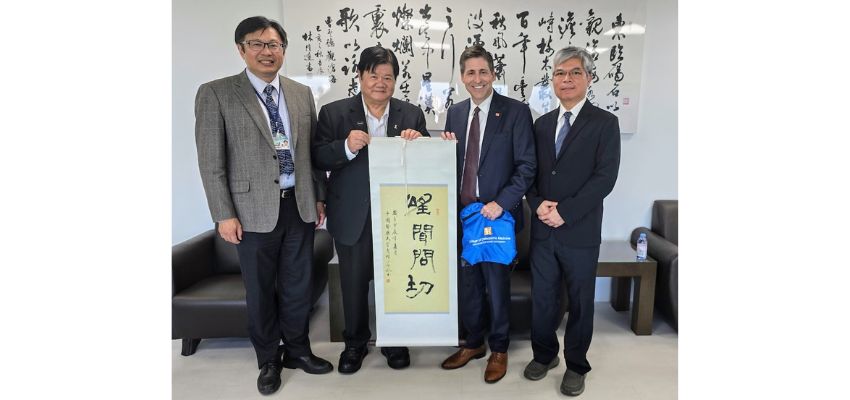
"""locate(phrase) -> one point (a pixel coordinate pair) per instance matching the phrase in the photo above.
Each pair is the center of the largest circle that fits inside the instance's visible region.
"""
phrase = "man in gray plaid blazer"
(253, 133)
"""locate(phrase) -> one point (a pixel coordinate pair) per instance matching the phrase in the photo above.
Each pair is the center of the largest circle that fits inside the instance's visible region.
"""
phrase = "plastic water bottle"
(641, 247)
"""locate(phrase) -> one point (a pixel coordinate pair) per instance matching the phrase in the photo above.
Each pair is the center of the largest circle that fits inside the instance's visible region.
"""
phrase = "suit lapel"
(248, 96)
(494, 122)
(576, 129)
(460, 134)
(393, 118)
(546, 141)
(357, 115)
(291, 107)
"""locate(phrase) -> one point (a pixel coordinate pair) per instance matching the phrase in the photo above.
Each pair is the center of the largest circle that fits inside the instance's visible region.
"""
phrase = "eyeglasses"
(258, 45)
(573, 74)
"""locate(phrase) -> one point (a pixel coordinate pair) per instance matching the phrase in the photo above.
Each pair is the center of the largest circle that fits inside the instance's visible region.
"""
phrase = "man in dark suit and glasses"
(495, 166)
(341, 147)
(253, 133)
(578, 158)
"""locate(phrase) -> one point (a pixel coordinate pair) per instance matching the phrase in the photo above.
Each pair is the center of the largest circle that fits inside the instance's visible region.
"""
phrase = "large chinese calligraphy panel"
(428, 37)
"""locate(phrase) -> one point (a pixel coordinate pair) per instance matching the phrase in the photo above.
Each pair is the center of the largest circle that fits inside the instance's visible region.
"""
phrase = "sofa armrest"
(323, 247)
(192, 260)
(659, 248)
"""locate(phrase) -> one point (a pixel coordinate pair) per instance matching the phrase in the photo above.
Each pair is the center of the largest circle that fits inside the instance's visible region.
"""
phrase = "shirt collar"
(260, 85)
(484, 106)
(576, 108)
(369, 115)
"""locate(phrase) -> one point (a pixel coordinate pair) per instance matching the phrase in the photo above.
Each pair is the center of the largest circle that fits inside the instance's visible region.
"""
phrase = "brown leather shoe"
(497, 366)
(462, 356)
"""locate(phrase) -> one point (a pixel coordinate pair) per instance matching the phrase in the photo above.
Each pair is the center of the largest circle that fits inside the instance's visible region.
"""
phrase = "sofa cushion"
(225, 290)
(665, 219)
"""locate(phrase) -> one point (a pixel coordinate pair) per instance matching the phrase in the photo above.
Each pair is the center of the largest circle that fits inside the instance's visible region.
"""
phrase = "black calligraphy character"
(522, 19)
(476, 21)
(448, 92)
(547, 22)
(352, 87)
(617, 26)
(411, 287)
(443, 42)
(405, 82)
(425, 12)
(421, 202)
(475, 40)
(426, 96)
(356, 46)
(378, 28)
(423, 257)
(521, 88)
(616, 53)
(423, 232)
(524, 42)
(570, 25)
(404, 45)
(403, 15)
(594, 24)
(430, 286)
(498, 21)
(347, 19)
(499, 41)
(499, 65)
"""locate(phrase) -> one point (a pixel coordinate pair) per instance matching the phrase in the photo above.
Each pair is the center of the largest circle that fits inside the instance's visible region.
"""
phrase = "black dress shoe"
(269, 380)
(309, 363)
(397, 357)
(351, 359)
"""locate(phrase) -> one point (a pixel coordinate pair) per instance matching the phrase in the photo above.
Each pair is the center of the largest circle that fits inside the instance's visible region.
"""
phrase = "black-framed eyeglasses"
(258, 45)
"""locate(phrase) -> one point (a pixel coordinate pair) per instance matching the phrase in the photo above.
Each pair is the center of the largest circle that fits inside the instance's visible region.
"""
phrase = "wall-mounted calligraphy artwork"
(429, 36)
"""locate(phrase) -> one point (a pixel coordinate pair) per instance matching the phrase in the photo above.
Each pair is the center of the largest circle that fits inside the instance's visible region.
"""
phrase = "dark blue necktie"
(562, 134)
(284, 157)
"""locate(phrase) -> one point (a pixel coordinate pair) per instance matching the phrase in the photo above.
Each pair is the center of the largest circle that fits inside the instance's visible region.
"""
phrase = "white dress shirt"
(377, 127)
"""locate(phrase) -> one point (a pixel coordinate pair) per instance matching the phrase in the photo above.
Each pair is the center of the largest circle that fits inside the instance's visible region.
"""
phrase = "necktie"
(470, 163)
(562, 134)
(284, 157)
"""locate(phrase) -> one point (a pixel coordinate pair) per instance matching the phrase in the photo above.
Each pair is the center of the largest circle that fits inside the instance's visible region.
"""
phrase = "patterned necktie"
(470, 163)
(284, 157)
(562, 134)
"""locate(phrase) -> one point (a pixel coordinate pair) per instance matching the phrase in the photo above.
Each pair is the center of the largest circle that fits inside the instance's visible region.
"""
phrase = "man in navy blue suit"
(495, 166)
(578, 156)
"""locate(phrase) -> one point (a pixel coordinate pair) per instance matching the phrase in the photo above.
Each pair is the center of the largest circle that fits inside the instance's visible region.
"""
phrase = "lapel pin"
(498, 114)
(395, 126)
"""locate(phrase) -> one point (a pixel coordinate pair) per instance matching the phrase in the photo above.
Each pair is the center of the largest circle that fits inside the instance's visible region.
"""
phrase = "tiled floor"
(625, 366)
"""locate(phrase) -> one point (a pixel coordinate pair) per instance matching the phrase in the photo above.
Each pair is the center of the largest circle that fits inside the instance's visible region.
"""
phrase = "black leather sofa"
(663, 246)
(521, 283)
(208, 296)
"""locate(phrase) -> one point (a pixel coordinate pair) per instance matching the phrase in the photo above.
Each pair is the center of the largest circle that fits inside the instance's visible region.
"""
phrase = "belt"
(287, 193)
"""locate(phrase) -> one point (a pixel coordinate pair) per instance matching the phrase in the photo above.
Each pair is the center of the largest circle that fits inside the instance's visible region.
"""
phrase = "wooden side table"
(617, 259)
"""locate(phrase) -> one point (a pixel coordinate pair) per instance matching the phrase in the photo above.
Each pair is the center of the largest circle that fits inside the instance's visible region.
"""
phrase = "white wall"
(203, 50)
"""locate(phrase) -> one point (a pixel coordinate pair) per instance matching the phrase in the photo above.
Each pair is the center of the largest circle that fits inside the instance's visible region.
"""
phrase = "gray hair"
(567, 53)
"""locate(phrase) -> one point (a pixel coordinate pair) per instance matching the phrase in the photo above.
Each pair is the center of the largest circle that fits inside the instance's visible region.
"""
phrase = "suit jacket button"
(274, 156)
(554, 173)
(276, 181)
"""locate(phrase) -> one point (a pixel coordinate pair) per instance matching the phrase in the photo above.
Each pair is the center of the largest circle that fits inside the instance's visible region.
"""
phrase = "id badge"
(281, 142)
